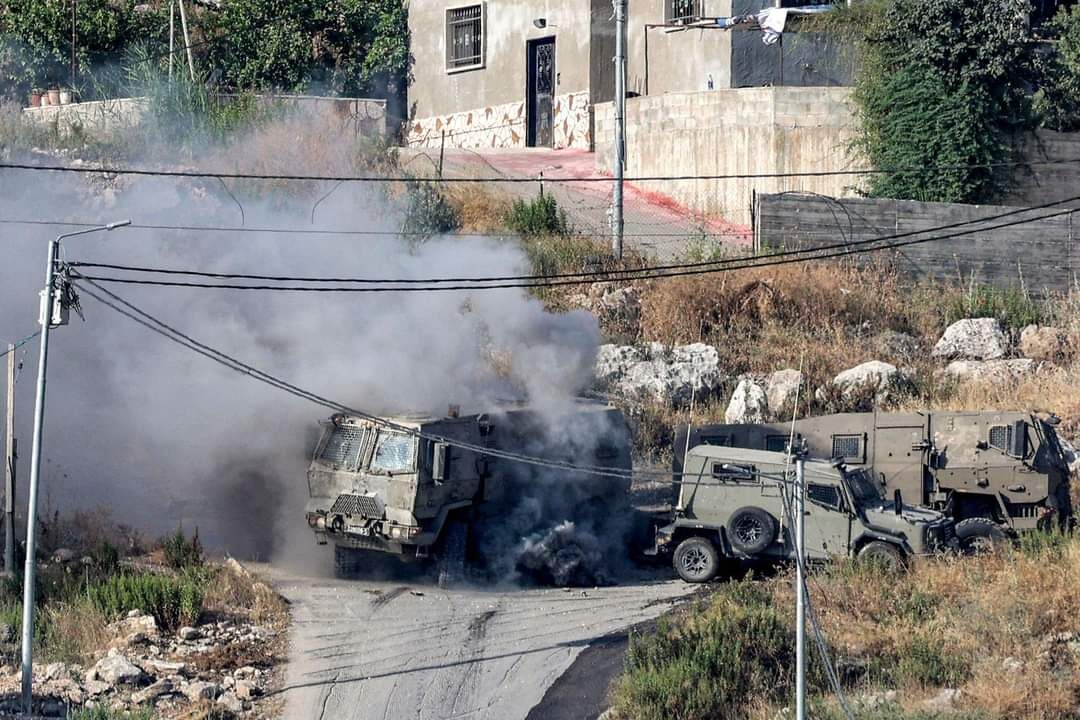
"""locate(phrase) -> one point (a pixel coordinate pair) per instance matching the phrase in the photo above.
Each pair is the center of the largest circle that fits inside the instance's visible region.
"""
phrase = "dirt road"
(378, 650)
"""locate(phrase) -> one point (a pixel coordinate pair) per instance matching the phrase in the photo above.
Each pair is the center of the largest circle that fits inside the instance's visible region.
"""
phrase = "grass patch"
(104, 712)
(173, 601)
(538, 217)
(180, 552)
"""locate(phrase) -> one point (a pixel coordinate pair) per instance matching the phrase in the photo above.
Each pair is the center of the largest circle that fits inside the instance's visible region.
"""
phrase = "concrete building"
(512, 73)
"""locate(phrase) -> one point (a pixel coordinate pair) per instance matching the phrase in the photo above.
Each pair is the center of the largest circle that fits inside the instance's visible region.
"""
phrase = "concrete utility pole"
(799, 507)
(620, 128)
(9, 468)
(49, 300)
(172, 38)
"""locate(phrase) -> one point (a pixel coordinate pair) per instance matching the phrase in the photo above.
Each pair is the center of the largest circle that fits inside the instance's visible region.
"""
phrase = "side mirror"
(898, 501)
(440, 462)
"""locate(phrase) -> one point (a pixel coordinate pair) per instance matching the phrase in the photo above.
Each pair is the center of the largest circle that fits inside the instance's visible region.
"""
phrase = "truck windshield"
(345, 447)
(394, 453)
(863, 488)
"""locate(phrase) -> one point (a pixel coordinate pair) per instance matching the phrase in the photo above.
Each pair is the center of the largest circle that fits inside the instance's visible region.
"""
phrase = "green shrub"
(1012, 306)
(539, 216)
(922, 662)
(180, 552)
(1057, 102)
(427, 212)
(104, 712)
(173, 601)
(707, 665)
(1042, 545)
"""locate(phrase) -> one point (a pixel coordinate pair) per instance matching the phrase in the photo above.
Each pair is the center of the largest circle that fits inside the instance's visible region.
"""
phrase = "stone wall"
(503, 126)
(745, 131)
(101, 117)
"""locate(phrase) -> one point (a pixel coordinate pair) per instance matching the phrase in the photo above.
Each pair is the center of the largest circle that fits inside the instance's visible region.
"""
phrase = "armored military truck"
(730, 506)
(994, 473)
(411, 490)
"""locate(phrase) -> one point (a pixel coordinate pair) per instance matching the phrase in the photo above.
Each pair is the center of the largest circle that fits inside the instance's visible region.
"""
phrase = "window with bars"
(465, 37)
(847, 447)
(681, 11)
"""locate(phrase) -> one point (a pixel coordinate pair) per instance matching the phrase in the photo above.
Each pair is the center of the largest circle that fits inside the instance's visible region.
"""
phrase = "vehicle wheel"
(696, 560)
(885, 555)
(980, 535)
(452, 554)
(347, 562)
(751, 530)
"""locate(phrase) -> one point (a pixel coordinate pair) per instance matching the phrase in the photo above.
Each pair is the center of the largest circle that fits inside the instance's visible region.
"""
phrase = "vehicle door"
(827, 520)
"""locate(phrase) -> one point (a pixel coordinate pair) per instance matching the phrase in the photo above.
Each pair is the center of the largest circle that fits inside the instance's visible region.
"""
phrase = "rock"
(116, 670)
(163, 667)
(245, 672)
(231, 703)
(153, 692)
(973, 339)
(781, 388)
(616, 307)
(94, 687)
(1043, 343)
(881, 379)
(7, 633)
(188, 634)
(944, 700)
(668, 374)
(63, 555)
(875, 700)
(748, 403)
(57, 671)
(200, 690)
(1011, 664)
(246, 690)
(992, 371)
(897, 345)
(134, 613)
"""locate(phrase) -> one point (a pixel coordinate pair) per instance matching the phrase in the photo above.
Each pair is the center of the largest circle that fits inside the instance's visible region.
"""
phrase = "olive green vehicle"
(994, 473)
(417, 490)
(731, 506)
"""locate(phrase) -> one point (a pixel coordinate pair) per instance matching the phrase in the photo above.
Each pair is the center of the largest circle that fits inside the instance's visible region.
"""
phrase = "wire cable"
(118, 170)
(20, 343)
(160, 327)
(606, 274)
(541, 282)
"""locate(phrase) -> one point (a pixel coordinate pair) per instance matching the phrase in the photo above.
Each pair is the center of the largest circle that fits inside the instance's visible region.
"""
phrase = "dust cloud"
(163, 437)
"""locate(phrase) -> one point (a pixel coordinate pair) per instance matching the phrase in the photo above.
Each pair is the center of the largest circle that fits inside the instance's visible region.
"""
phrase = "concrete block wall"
(745, 131)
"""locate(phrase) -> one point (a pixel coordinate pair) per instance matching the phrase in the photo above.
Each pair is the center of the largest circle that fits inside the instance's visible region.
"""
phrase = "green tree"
(1057, 102)
(944, 82)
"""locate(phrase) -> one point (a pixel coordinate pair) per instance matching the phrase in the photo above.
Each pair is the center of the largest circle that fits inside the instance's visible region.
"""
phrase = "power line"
(20, 343)
(605, 275)
(160, 327)
(116, 170)
(612, 276)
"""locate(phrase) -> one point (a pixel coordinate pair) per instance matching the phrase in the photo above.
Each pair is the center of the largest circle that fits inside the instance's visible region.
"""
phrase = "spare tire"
(751, 530)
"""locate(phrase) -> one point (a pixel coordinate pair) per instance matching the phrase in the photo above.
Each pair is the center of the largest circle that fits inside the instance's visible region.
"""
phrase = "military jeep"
(730, 507)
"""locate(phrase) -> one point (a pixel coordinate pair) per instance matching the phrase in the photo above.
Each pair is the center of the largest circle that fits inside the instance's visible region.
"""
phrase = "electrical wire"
(606, 275)
(600, 277)
(118, 170)
(20, 343)
(158, 326)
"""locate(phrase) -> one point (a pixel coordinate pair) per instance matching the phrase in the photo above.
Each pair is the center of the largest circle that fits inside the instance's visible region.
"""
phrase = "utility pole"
(799, 505)
(50, 300)
(187, 40)
(172, 38)
(10, 454)
(74, 40)
(620, 128)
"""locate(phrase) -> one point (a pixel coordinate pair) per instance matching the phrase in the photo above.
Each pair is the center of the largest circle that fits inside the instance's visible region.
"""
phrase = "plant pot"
(35, 98)
(65, 97)
(54, 96)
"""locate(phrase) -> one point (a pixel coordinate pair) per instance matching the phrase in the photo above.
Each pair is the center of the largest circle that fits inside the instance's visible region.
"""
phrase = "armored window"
(465, 37)
(1000, 435)
(776, 443)
(734, 473)
(677, 12)
(394, 453)
(847, 447)
(827, 495)
(345, 447)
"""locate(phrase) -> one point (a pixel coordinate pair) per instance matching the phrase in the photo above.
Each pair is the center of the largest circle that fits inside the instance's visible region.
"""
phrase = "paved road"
(382, 649)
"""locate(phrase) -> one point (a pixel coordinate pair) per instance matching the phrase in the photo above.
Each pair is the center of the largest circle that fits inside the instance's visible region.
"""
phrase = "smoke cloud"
(162, 436)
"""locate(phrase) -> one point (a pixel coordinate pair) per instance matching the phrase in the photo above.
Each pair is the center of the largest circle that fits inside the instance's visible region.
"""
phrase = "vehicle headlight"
(397, 532)
(320, 522)
(414, 531)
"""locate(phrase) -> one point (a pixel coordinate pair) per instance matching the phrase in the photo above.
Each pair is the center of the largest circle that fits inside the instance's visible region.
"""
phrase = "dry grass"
(74, 632)
(233, 587)
(480, 209)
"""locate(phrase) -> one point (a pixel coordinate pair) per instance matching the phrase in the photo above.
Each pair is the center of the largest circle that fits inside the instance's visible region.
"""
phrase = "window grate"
(464, 37)
(776, 443)
(1000, 437)
(344, 446)
(682, 11)
(847, 447)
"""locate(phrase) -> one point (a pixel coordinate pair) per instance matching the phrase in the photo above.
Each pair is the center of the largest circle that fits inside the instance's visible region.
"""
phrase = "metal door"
(541, 93)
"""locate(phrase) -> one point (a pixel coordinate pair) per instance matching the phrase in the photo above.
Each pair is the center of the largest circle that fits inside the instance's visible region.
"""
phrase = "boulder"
(670, 375)
(116, 670)
(880, 379)
(63, 555)
(200, 690)
(188, 634)
(973, 339)
(94, 687)
(991, 371)
(1043, 343)
(231, 703)
(153, 692)
(616, 307)
(781, 388)
(749, 403)
(246, 689)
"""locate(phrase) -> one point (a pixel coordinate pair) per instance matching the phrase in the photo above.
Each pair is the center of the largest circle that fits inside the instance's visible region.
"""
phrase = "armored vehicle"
(421, 487)
(730, 506)
(994, 473)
